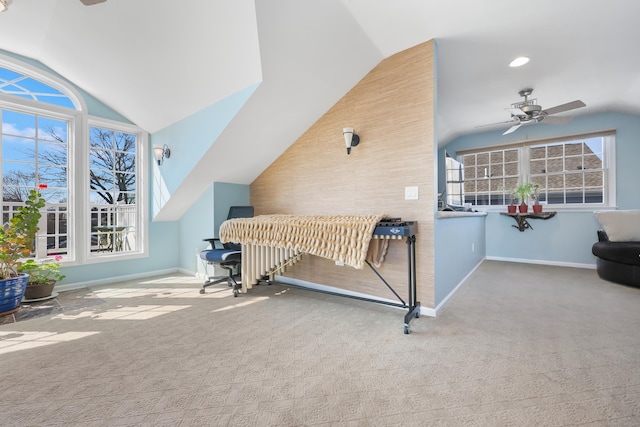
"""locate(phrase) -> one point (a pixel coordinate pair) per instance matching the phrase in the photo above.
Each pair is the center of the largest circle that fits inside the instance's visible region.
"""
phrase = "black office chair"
(228, 255)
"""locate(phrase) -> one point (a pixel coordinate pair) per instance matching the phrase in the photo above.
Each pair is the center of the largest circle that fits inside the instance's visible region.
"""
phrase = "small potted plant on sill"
(43, 276)
(524, 193)
(537, 207)
(511, 208)
(17, 239)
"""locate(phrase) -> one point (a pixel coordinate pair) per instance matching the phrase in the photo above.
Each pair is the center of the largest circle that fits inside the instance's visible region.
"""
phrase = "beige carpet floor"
(518, 345)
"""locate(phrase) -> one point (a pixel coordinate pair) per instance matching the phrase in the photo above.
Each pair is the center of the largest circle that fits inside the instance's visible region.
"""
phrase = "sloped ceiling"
(159, 61)
(153, 61)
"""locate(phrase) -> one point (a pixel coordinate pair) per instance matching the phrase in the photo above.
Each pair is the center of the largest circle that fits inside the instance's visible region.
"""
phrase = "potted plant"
(17, 239)
(537, 207)
(43, 276)
(511, 208)
(524, 192)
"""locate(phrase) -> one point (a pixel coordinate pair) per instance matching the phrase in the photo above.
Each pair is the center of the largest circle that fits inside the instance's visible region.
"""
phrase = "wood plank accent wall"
(392, 110)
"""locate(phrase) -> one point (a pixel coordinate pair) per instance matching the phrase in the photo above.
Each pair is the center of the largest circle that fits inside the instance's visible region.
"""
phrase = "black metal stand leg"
(414, 305)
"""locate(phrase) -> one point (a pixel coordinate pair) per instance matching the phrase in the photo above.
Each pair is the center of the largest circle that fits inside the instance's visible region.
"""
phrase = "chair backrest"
(238, 212)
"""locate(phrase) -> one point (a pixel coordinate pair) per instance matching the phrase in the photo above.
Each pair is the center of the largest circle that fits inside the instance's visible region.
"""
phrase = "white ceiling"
(579, 49)
(159, 61)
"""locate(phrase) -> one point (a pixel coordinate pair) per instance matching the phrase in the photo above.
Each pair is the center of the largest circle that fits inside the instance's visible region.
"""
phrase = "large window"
(112, 190)
(93, 197)
(35, 152)
(577, 171)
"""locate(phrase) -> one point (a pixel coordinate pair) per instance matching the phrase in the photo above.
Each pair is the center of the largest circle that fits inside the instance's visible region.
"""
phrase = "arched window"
(90, 167)
(16, 83)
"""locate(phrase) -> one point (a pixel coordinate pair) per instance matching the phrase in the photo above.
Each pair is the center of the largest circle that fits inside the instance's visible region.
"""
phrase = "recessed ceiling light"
(518, 62)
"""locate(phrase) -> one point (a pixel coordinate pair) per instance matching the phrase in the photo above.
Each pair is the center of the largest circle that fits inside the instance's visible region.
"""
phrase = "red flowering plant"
(17, 236)
(42, 272)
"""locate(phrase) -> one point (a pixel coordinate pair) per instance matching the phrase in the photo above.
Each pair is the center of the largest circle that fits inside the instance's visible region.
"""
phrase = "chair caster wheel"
(202, 291)
(235, 293)
(406, 329)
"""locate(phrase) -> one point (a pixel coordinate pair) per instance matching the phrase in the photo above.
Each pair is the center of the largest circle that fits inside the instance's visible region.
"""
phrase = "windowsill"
(457, 214)
(556, 208)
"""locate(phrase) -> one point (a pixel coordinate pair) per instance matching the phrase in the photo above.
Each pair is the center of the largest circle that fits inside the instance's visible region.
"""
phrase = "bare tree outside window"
(112, 183)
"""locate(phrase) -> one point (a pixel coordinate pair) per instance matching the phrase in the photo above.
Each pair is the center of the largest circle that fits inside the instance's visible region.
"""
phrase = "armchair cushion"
(620, 226)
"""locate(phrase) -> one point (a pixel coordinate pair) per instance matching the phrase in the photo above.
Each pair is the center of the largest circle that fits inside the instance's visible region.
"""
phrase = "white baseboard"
(113, 279)
(190, 273)
(543, 262)
(424, 311)
(450, 294)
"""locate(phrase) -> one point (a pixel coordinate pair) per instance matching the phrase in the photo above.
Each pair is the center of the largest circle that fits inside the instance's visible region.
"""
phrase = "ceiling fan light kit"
(529, 112)
(4, 4)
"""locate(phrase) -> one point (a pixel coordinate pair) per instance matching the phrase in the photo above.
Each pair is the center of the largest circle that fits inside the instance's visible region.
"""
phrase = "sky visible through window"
(34, 147)
(16, 84)
(34, 151)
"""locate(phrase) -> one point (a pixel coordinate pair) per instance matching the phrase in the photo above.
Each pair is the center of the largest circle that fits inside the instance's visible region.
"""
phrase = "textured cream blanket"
(342, 238)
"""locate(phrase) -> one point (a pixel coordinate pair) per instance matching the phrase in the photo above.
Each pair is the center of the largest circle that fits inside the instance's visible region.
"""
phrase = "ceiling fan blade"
(565, 107)
(497, 124)
(91, 2)
(555, 120)
(512, 128)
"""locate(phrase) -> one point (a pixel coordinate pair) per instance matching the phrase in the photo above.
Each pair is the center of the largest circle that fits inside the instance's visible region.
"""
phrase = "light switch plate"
(411, 193)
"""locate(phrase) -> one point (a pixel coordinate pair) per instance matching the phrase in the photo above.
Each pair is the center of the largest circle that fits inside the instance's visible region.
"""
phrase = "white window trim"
(609, 161)
(46, 78)
(142, 193)
(74, 118)
(78, 154)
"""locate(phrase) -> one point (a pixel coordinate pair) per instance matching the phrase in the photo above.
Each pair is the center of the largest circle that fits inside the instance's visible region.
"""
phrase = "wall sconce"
(4, 5)
(161, 153)
(350, 138)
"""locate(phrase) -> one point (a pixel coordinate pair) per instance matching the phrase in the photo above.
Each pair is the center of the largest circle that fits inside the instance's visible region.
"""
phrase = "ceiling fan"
(527, 112)
(4, 4)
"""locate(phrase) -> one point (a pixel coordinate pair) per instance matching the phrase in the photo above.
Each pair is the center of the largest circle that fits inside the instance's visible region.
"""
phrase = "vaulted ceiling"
(159, 61)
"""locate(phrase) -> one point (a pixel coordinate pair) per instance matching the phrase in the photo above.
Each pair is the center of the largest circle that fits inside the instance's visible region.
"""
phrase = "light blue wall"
(567, 238)
(203, 220)
(163, 255)
(196, 224)
(455, 257)
(191, 137)
(224, 196)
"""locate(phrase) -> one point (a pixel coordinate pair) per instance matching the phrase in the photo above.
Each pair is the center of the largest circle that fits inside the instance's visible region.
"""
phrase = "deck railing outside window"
(112, 228)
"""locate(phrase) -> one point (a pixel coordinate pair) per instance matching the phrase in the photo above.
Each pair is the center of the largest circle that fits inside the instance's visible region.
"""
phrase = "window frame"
(80, 122)
(608, 167)
(73, 117)
(141, 193)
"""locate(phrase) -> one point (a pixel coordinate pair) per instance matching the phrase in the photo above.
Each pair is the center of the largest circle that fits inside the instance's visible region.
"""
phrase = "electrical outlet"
(473, 247)
(340, 263)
